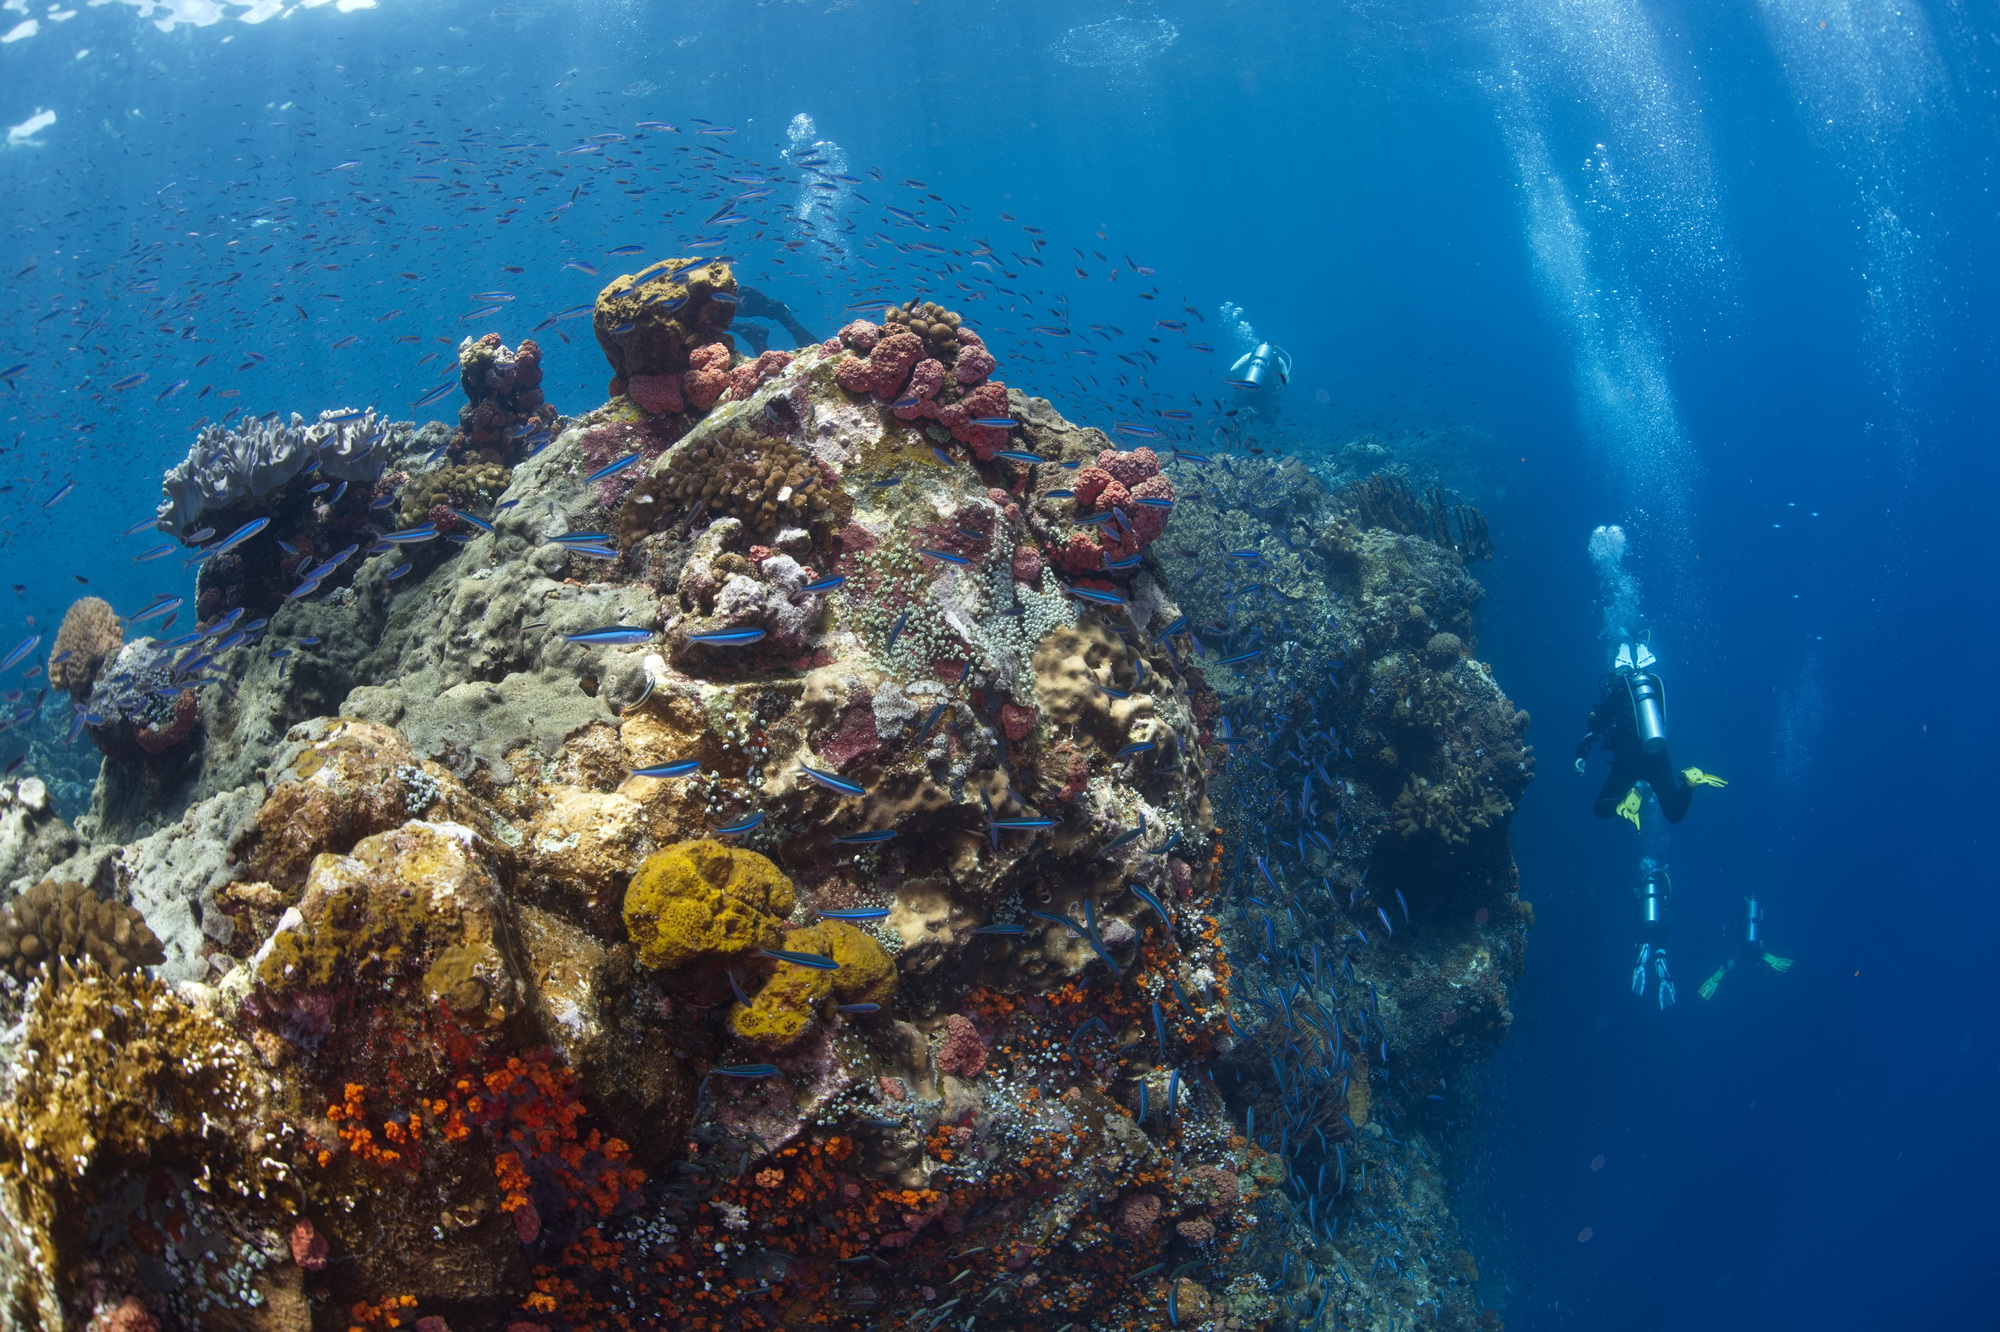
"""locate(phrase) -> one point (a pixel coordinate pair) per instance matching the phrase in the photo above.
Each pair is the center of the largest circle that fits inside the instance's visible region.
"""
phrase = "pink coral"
(885, 369)
(974, 364)
(987, 401)
(1130, 468)
(1079, 555)
(1027, 564)
(1018, 722)
(853, 739)
(130, 1316)
(743, 380)
(655, 393)
(860, 336)
(926, 378)
(1196, 1232)
(707, 375)
(308, 1246)
(964, 1054)
(1137, 1215)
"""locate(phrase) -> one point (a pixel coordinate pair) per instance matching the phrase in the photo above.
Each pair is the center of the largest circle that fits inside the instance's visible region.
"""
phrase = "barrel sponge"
(704, 901)
(90, 632)
(785, 1008)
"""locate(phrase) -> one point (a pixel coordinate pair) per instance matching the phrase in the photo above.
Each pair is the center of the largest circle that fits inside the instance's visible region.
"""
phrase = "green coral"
(702, 901)
(785, 1008)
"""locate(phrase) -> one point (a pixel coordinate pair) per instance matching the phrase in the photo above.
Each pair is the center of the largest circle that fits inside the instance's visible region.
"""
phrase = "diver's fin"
(1624, 657)
(1628, 808)
(1644, 657)
(1777, 964)
(1708, 986)
(1696, 777)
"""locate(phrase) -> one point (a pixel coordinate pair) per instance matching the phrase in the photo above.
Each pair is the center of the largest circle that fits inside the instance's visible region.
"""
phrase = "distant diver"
(1656, 893)
(1260, 375)
(754, 304)
(1630, 720)
(1749, 945)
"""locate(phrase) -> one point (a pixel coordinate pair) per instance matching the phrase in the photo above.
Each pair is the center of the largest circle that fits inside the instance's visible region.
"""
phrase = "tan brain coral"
(91, 632)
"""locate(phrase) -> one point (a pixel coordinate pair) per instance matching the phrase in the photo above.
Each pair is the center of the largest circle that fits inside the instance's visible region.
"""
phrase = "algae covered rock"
(705, 902)
(785, 1008)
(648, 322)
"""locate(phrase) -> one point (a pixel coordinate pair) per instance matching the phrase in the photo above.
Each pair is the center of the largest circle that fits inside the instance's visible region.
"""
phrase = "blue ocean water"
(1721, 276)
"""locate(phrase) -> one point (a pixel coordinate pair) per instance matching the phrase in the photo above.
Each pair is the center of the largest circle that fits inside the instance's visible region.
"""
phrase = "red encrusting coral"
(656, 394)
(745, 378)
(963, 1054)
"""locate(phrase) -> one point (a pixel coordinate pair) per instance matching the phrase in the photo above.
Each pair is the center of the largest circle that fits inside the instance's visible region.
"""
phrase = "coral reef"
(67, 922)
(648, 322)
(33, 837)
(571, 937)
(91, 631)
(472, 487)
(505, 414)
(230, 465)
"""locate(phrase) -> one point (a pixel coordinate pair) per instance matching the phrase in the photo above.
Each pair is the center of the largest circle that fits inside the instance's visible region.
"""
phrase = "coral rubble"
(836, 875)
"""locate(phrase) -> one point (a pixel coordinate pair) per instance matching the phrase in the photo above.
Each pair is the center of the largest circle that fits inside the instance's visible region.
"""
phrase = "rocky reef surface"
(819, 840)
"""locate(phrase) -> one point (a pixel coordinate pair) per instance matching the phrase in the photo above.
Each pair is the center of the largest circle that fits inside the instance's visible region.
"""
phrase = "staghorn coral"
(62, 921)
(91, 631)
(469, 486)
(732, 472)
(703, 902)
(786, 1007)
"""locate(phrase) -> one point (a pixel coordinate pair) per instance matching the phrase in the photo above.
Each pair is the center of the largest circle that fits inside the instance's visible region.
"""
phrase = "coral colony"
(818, 840)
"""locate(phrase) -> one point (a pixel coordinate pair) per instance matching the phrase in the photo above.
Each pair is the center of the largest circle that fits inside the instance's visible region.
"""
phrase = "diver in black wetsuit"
(1656, 895)
(754, 304)
(1630, 720)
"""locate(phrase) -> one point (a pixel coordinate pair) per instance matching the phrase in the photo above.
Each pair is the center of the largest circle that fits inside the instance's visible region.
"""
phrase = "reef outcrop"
(797, 885)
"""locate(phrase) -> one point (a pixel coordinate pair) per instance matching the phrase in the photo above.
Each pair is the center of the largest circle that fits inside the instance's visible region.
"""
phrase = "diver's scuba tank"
(1753, 927)
(1654, 893)
(1649, 695)
(1269, 364)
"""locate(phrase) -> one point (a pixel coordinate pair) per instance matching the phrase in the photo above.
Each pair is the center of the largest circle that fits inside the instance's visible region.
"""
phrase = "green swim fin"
(1708, 986)
(1777, 964)
(1696, 777)
(1628, 808)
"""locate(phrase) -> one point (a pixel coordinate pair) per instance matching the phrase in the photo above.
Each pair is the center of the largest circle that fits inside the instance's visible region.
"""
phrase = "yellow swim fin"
(1628, 808)
(1696, 777)
(1777, 964)
(1708, 986)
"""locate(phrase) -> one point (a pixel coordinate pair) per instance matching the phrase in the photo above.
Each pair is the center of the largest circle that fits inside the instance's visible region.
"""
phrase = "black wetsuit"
(1613, 726)
(754, 304)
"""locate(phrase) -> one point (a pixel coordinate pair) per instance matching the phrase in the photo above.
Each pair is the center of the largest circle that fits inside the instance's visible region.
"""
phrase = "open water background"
(1724, 274)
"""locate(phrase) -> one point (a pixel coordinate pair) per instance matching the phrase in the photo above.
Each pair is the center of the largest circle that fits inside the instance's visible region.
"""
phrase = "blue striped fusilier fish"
(579, 538)
(746, 1070)
(857, 913)
(623, 250)
(616, 634)
(684, 768)
(896, 631)
(834, 783)
(1247, 385)
(1092, 594)
(1144, 747)
(1240, 657)
(1021, 825)
(1058, 494)
(480, 313)
(866, 838)
(728, 638)
(57, 498)
(158, 552)
(1152, 902)
(243, 534)
(400, 570)
(998, 423)
(20, 650)
(944, 555)
(825, 584)
(817, 961)
(858, 1010)
(738, 829)
(438, 394)
(410, 536)
(467, 518)
(1001, 929)
(1175, 627)
(160, 607)
(596, 552)
(348, 414)
(1019, 456)
(613, 468)
(1144, 432)
(1154, 503)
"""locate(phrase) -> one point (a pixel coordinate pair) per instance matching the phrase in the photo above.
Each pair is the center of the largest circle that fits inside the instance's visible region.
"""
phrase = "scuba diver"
(1656, 892)
(1630, 720)
(1749, 948)
(754, 304)
(1259, 378)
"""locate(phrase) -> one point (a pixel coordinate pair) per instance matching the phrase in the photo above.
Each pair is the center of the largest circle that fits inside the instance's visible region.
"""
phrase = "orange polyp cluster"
(348, 1115)
(389, 1313)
